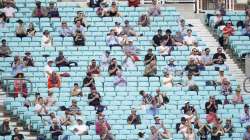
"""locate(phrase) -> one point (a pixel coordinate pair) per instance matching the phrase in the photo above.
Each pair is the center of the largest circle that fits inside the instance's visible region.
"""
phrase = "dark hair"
(141, 92)
(3, 40)
(75, 84)
(189, 30)
(206, 49)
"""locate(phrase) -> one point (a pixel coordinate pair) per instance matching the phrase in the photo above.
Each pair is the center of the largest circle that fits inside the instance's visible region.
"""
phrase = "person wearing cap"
(54, 80)
(40, 107)
(211, 105)
(61, 61)
(46, 40)
(238, 98)
(170, 67)
(133, 3)
(9, 11)
(167, 79)
(17, 66)
(192, 68)
(94, 98)
(128, 29)
(105, 60)
(206, 58)
(219, 57)
(88, 81)
(80, 128)
(17, 135)
(48, 68)
(50, 99)
(119, 80)
(65, 30)
(246, 135)
(245, 115)
(112, 40)
(157, 39)
(189, 39)
(133, 118)
(31, 31)
(76, 90)
(81, 17)
(114, 67)
(52, 10)
(144, 20)
(113, 11)
(39, 10)
(228, 31)
(5, 128)
(93, 68)
(28, 60)
(178, 38)
(74, 109)
(20, 29)
(154, 9)
(5, 49)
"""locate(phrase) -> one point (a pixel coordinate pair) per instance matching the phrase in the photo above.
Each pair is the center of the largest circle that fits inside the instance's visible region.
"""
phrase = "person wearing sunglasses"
(228, 30)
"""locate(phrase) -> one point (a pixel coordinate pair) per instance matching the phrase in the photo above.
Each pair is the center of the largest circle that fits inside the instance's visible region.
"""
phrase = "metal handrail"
(7, 79)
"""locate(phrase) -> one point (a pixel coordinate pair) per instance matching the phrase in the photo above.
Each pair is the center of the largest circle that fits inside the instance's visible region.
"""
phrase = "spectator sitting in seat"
(190, 83)
(17, 66)
(93, 3)
(192, 68)
(183, 125)
(50, 100)
(246, 135)
(189, 39)
(117, 29)
(2, 20)
(48, 68)
(55, 130)
(218, 20)
(65, 31)
(16, 135)
(102, 11)
(164, 49)
(157, 39)
(76, 90)
(211, 105)
(228, 127)
(219, 58)
(132, 50)
(28, 60)
(20, 29)
(66, 119)
(5, 49)
(39, 11)
(150, 63)
(144, 20)
(167, 79)
(41, 108)
(128, 29)
(112, 40)
(182, 27)
(79, 39)
(11, 2)
(245, 116)
(154, 9)
(155, 134)
(94, 98)
(129, 60)
(206, 58)
(165, 134)
(74, 109)
(196, 55)
(228, 31)
(103, 129)
(168, 38)
(146, 98)
(133, 118)
(93, 68)
(216, 132)
(54, 81)
(170, 67)
(153, 108)
(9, 11)
(190, 116)
(78, 27)
(187, 108)
(80, 128)
(119, 80)
(204, 131)
(20, 86)
(113, 67)
(31, 31)
(178, 39)
(47, 40)
(246, 30)
(133, 3)
(61, 61)
(238, 98)
(81, 17)
(160, 98)
(113, 11)
(5, 128)
(105, 60)
(52, 10)
(88, 81)
(226, 88)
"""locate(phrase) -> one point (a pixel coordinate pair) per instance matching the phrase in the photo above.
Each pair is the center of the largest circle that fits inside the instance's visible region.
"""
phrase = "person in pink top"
(103, 129)
(238, 99)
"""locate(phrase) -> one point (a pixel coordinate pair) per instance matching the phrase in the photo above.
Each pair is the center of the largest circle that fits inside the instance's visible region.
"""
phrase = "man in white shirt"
(80, 128)
(245, 116)
(112, 40)
(48, 68)
(47, 40)
(206, 58)
(189, 39)
(9, 11)
(105, 60)
(40, 107)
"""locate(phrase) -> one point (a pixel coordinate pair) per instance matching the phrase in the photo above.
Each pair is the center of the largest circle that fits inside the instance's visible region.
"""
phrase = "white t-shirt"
(38, 107)
(9, 11)
(49, 69)
(189, 39)
(128, 62)
(196, 58)
(45, 39)
(81, 129)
